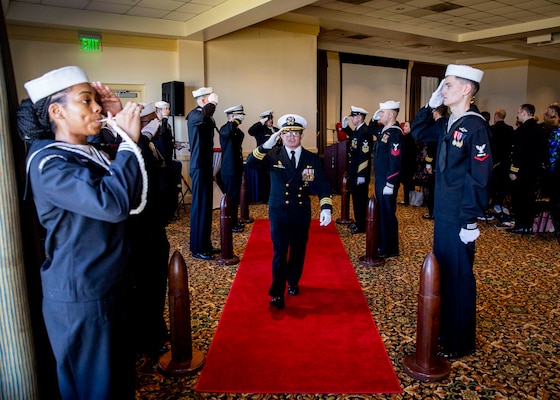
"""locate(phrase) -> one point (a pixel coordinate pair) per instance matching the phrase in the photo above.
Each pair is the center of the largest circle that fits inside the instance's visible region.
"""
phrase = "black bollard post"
(244, 202)
(372, 259)
(344, 202)
(227, 257)
(181, 359)
(425, 365)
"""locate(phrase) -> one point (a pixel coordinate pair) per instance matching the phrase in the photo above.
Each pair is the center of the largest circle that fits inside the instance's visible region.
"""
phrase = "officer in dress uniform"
(359, 165)
(464, 168)
(293, 170)
(387, 159)
(231, 171)
(201, 125)
(261, 131)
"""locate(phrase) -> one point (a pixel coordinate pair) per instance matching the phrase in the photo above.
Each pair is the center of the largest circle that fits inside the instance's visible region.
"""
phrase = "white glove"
(388, 189)
(325, 218)
(376, 115)
(151, 129)
(213, 98)
(429, 168)
(239, 117)
(361, 180)
(437, 97)
(469, 235)
(263, 120)
(269, 144)
(345, 122)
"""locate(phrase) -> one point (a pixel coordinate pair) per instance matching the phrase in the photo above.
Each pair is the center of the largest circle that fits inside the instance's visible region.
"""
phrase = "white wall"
(265, 69)
(505, 88)
(368, 85)
(113, 65)
(543, 88)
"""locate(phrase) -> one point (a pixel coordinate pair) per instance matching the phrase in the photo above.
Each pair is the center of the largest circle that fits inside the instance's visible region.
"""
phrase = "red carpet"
(324, 341)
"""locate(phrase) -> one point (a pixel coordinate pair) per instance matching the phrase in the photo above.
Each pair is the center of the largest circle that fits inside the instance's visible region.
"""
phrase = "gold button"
(287, 193)
(287, 185)
(287, 201)
(299, 195)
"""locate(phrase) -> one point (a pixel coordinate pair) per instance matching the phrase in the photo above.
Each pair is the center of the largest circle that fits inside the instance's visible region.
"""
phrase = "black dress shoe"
(520, 230)
(356, 230)
(277, 302)
(428, 216)
(352, 226)
(203, 256)
(388, 255)
(238, 228)
(293, 290)
(453, 355)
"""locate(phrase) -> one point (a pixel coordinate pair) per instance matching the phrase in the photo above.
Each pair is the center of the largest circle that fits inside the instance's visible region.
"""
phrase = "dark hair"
(33, 120)
(556, 108)
(475, 85)
(441, 110)
(529, 109)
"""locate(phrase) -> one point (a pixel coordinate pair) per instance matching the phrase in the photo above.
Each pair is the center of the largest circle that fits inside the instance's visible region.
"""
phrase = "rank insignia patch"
(481, 154)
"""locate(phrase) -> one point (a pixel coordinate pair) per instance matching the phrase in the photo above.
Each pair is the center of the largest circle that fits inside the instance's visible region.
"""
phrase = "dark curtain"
(322, 65)
(418, 71)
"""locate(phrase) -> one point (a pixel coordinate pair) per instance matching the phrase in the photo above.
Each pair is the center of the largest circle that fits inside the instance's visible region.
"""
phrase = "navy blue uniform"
(262, 133)
(528, 156)
(231, 171)
(464, 168)
(289, 209)
(387, 158)
(359, 166)
(201, 127)
(82, 200)
(150, 254)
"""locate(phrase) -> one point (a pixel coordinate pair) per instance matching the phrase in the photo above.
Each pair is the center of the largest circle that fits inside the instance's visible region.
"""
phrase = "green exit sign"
(90, 43)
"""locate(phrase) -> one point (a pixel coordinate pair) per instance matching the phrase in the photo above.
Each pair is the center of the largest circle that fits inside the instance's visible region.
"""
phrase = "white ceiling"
(435, 31)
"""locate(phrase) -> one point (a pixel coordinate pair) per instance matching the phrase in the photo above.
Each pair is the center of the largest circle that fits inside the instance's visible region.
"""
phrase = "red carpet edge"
(324, 341)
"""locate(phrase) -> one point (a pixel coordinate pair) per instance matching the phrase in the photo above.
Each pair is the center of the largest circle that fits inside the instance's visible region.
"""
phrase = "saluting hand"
(269, 144)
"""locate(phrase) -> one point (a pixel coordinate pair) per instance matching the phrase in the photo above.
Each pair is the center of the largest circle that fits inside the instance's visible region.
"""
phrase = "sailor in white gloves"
(293, 170)
(359, 165)
(387, 160)
(463, 171)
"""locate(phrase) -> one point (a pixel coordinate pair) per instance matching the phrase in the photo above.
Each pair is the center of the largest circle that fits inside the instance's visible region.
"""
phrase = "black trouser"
(360, 201)
(289, 242)
(523, 201)
(388, 223)
(232, 187)
(201, 211)
(457, 327)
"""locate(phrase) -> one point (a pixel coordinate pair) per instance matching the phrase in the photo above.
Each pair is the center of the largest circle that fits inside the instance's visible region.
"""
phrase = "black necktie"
(293, 159)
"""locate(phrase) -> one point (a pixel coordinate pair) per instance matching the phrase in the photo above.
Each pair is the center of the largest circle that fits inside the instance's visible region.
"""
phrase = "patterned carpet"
(518, 305)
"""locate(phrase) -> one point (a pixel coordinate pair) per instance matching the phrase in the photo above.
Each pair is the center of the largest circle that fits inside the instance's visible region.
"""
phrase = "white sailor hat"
(235, 110)
(148, 109)
(292, 122)
(54, 81)
(161, 104)
(266, 114)
(202, 91)
(464, 71)
(357, 111)
(390, 105)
